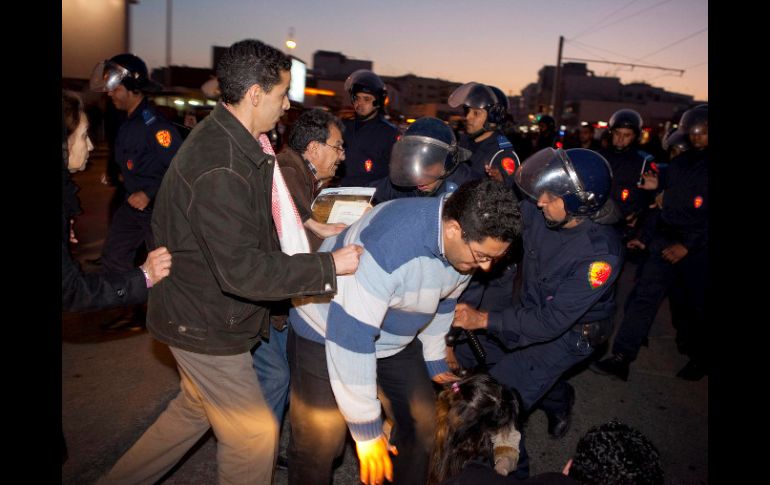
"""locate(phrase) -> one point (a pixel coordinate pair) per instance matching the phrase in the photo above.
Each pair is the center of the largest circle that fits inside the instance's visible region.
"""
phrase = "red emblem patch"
(368, 164)
(697, 202)
(598, 273)
(130, 164)
(624, 195)
(164, 138)
(509, 165)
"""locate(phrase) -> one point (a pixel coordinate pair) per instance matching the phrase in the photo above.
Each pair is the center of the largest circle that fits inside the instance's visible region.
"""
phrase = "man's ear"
(452, 229)
(255, 93)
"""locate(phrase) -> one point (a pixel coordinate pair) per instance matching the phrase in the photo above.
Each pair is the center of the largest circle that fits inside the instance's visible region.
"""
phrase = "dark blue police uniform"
(496, 149)
(684, 220)
(567, 282)
(627, 167)
(367, 151)
(145, 144)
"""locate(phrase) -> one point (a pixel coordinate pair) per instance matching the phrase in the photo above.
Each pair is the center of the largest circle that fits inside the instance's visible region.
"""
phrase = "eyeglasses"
(339, 150)
(483, 258)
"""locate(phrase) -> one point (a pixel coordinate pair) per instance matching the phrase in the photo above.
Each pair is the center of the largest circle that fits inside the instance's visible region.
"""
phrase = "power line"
(672, 44)
(601, 49)
(589, 29)
(629, 16)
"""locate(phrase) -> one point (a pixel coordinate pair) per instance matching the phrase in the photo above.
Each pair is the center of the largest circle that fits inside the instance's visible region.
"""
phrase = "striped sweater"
(404, 288)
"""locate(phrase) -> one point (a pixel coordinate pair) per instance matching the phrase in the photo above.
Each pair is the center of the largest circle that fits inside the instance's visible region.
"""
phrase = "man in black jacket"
(213, 212)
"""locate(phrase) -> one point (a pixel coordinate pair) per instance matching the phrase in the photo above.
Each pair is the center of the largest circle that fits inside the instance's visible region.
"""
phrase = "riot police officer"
(369, 137)
(677, 260)
(628, 163)
(572, 256)
(432, 173)
(485, 110)
(145, 144)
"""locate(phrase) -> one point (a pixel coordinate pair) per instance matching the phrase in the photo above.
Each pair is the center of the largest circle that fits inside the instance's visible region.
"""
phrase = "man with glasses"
(369, 137)
(310, 160)
(380, 340)
(572, 257)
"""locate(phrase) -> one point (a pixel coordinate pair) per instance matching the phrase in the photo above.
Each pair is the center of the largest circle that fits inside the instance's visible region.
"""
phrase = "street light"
(290, 42)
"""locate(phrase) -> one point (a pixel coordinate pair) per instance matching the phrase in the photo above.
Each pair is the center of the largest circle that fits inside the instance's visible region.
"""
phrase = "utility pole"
(168, 43)
(556, 91)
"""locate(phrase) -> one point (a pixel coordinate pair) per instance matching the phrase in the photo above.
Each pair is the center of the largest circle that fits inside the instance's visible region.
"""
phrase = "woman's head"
(75, 130)
(468, 414)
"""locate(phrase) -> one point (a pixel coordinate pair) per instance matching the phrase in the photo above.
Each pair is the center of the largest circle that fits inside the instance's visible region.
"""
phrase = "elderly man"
(213, 212)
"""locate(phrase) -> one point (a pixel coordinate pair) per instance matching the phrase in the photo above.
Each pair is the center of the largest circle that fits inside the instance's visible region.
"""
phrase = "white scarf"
(291, 232)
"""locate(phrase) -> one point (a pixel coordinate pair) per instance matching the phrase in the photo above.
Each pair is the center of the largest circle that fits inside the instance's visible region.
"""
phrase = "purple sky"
(498, 42)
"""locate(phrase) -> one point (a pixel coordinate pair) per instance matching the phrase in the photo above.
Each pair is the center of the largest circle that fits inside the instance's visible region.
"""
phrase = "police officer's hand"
(138, 200)
(73, 239)
(635, 244)
(346, 259)
(674, 253)
(649, 181)
(469, 318)
(658, 204)
(445, 378)
(375, 461)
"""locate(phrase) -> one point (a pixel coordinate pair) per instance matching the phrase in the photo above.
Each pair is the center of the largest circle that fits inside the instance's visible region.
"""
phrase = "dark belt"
(595, 333)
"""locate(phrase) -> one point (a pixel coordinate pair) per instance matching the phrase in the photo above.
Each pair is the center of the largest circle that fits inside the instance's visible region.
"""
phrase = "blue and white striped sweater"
(403, 288)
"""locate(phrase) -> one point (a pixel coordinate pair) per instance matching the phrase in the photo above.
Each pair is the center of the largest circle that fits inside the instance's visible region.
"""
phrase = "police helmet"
(126, 69)
(365, 81)
(426, 152)
(481, 96)
(677, 139)
(626, 118)
(695, 121)
(582, 178)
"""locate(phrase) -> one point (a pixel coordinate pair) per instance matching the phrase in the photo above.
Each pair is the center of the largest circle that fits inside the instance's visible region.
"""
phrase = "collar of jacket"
(245, 141)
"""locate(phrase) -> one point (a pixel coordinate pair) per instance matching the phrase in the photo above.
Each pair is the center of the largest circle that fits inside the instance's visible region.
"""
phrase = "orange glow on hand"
(375, 462)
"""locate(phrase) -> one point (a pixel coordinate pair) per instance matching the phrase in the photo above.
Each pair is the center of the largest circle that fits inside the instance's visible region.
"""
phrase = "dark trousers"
(318, 429)
(686, 281)
(531, 371)
(130, 229)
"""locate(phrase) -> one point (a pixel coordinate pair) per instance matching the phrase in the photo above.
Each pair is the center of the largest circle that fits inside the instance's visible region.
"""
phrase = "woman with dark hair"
(475, 424)
(82, 291)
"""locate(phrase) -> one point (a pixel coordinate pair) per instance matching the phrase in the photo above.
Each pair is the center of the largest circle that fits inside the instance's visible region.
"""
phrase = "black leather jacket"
(213, 213)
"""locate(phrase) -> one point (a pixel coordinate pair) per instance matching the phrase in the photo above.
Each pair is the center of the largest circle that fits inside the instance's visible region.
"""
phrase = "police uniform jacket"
(626, 172)
(568, 279)
(213, 213)
(144, 147)
(684, 217)
(367, 150)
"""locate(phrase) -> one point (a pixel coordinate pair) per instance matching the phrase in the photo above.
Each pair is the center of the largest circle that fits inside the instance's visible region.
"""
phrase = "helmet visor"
(472, 95)
(545, 171)
(107, 76)
(418, 160)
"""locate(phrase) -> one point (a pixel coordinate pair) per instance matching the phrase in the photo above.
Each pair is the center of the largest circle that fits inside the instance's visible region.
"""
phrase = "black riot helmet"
(695, 121)
(582, 178)
(126, 69)
(426, 152)
(365, 81)
(626, 118)
(678, 140)
(481, 96)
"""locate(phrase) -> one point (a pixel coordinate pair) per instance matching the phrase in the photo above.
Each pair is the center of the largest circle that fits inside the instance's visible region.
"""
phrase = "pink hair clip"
(456, 386)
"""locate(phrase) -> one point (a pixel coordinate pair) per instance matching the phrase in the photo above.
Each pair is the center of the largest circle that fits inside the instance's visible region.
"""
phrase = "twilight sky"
(498, 42)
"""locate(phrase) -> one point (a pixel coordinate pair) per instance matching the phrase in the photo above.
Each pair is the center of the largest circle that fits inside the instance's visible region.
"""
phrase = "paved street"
(114, 384)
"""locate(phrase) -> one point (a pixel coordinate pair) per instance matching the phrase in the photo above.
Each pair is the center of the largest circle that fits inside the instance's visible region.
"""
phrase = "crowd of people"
(266, 308)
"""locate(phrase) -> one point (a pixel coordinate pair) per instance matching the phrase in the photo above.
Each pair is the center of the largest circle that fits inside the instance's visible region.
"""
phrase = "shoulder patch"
(163, 138)
(598, 273)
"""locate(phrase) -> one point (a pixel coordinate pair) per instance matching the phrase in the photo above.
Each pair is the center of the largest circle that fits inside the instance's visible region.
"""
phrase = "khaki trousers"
(218, 391)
